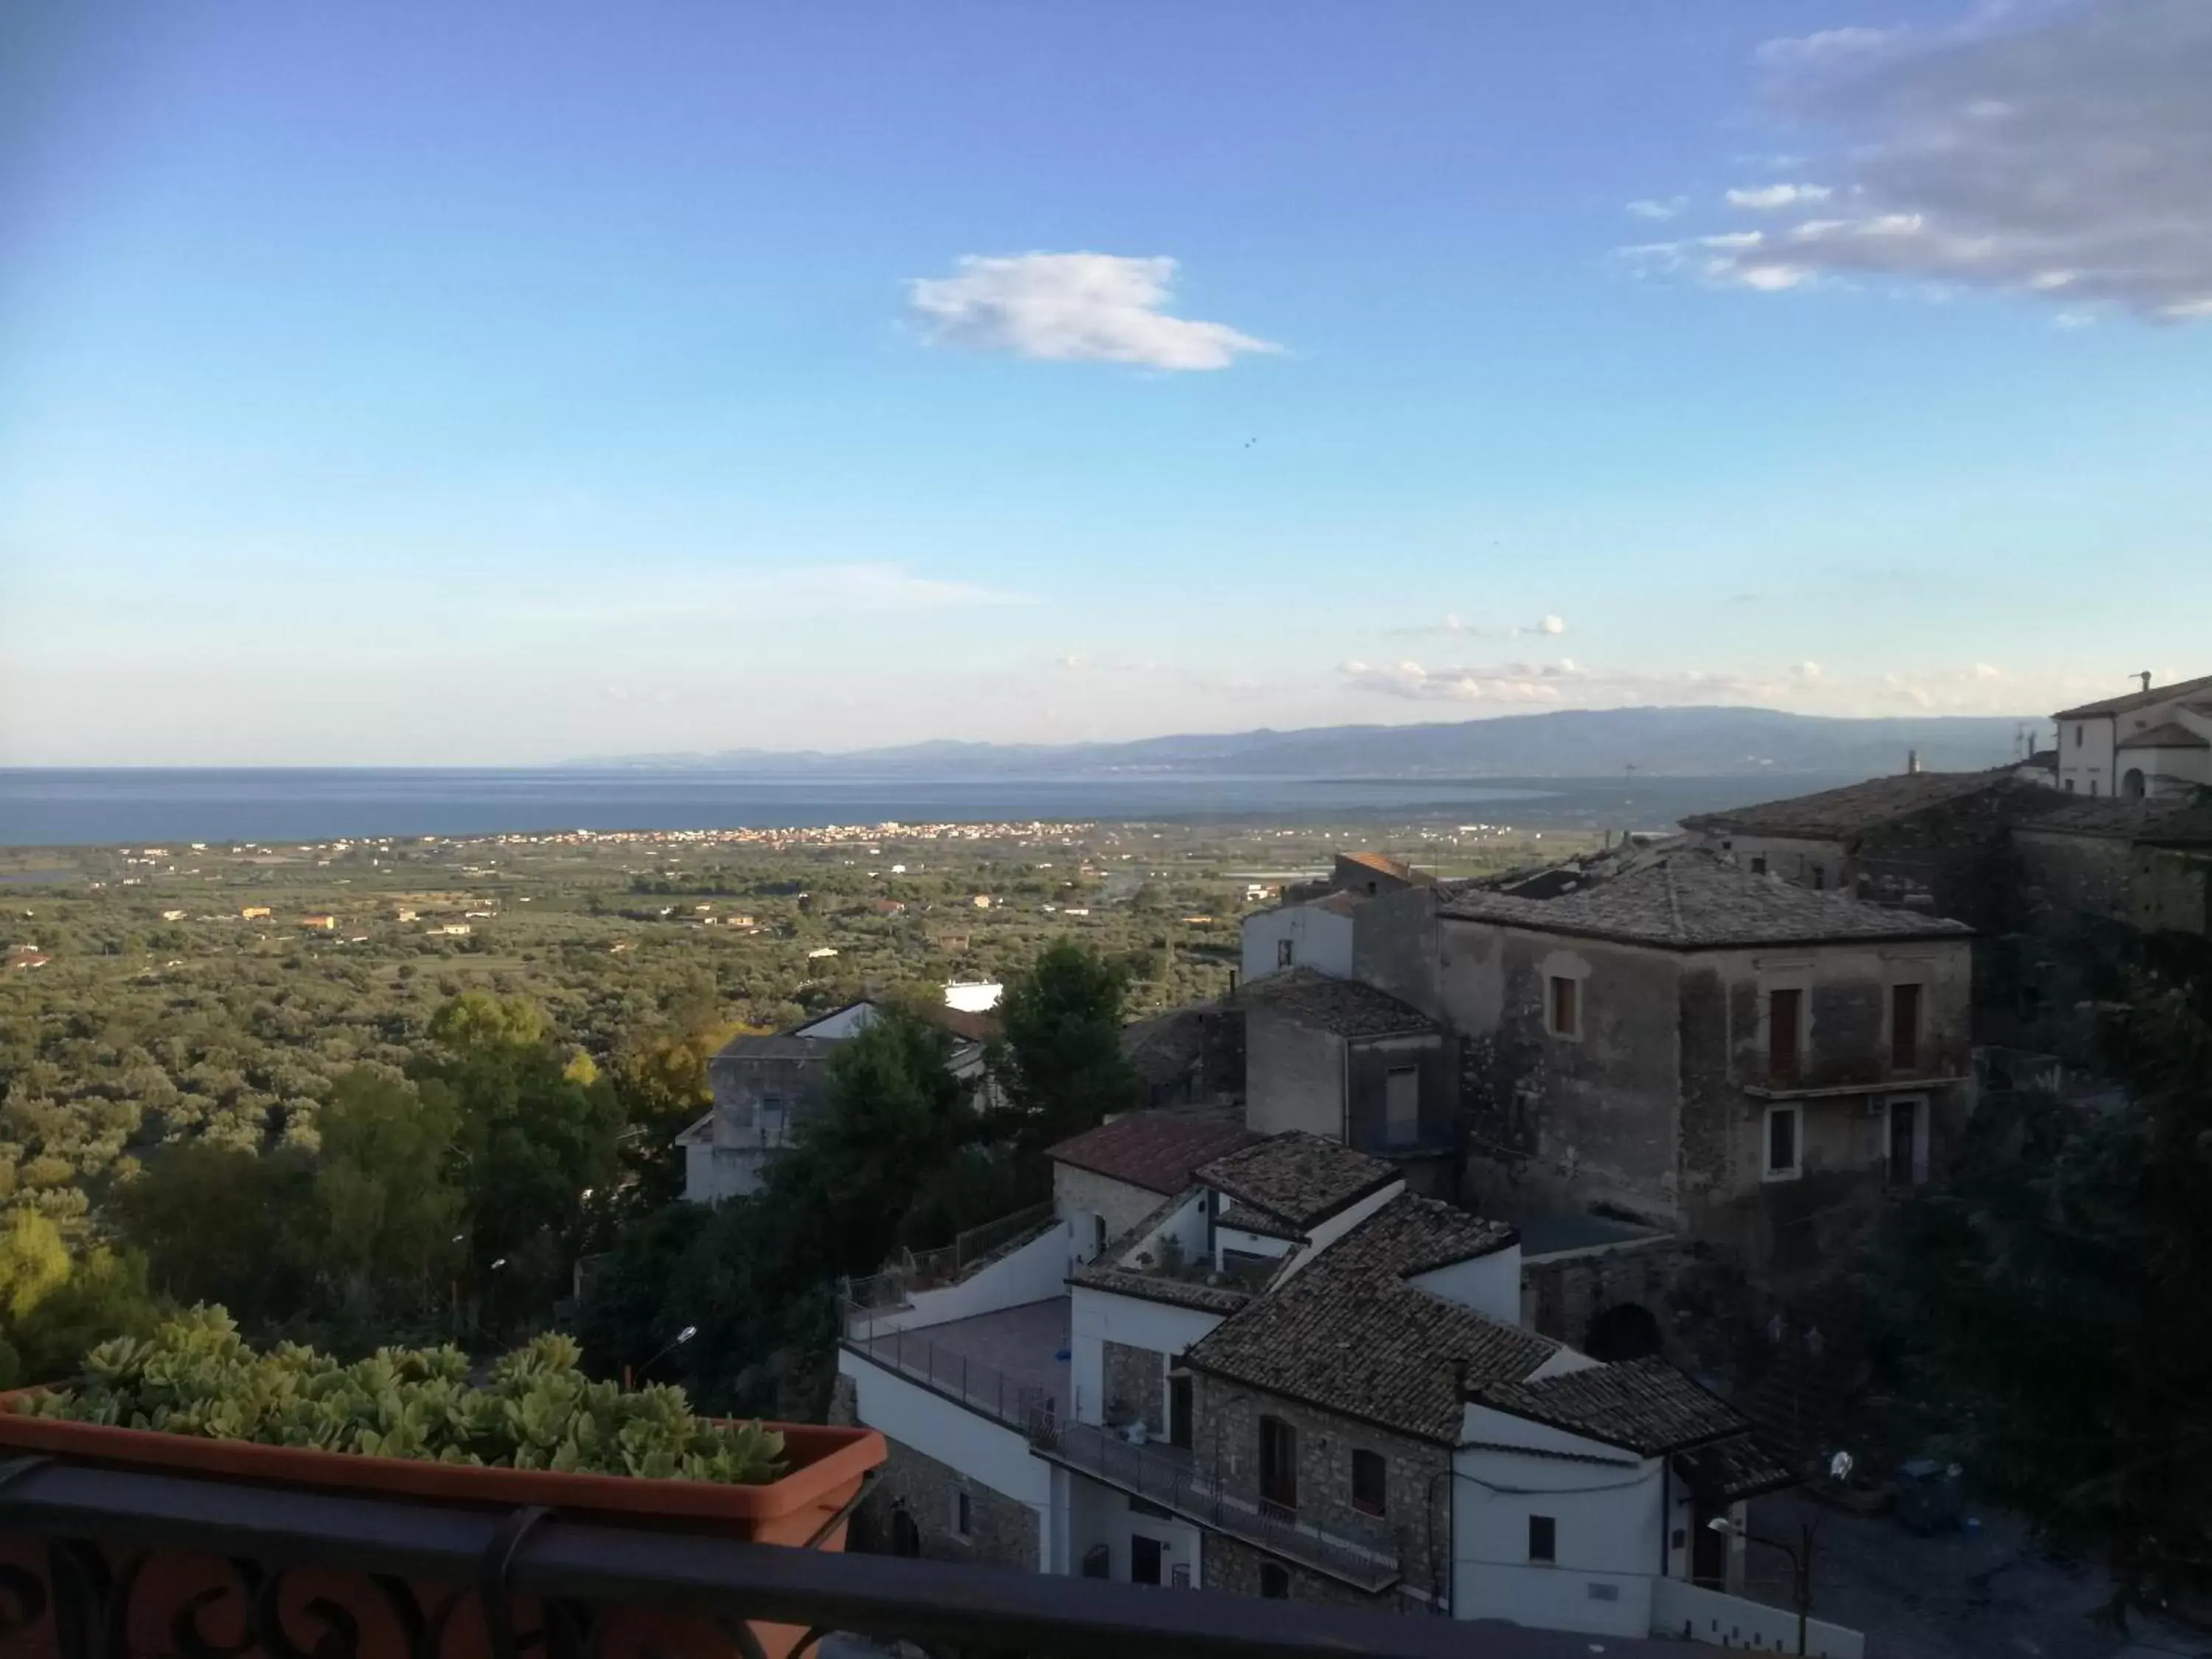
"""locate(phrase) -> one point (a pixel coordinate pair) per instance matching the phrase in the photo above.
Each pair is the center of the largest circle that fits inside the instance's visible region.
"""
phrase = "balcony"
(104, 1563)
(1360, 1552)
(1007, 1365)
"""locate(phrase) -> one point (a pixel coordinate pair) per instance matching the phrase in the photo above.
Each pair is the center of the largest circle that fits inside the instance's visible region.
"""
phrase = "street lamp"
(1800, 1557)
(669, 1347)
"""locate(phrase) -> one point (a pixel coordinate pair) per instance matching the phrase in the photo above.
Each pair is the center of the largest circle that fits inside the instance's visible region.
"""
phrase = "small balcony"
(106, 1564)
(1361, 1553)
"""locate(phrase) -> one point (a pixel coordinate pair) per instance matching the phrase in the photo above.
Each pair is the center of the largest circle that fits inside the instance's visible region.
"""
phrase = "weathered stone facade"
(1232, 1564)
(1417, 1507)
(1083, 1193)
(1001, 1532)
(1564, 1297)
(1136, 1387)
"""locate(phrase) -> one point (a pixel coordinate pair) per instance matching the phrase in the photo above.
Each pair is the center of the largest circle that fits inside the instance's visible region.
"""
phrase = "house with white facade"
(2155, 741)
(1260, 1363)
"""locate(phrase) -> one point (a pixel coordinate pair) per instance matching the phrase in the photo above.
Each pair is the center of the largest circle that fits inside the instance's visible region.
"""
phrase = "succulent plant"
(195, 1375)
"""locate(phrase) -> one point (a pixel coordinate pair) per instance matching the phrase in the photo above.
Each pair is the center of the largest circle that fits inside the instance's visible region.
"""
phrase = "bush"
(195, 1375)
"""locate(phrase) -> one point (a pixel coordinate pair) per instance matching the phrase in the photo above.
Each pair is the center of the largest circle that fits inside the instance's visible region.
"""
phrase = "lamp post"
(1801, 1557)
(673, 1343)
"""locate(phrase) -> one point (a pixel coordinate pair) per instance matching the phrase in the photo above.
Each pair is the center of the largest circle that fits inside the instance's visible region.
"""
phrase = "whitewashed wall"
(1098, 1317)
(1489, 1284)
(1035, 1273)
(1683, 1609)
(1320, 940)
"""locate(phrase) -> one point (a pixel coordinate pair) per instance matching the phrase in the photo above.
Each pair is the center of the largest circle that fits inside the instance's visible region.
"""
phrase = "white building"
(2156, 741)
(1315, 935)
(1259, 1364)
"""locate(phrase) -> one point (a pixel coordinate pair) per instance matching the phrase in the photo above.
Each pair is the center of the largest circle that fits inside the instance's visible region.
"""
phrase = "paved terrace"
(1005, 1364)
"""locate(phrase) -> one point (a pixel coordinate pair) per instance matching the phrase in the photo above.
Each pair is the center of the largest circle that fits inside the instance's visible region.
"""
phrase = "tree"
(52, 1307)
(389, 1206)
(215, 1223)
(1061, 1061)
(2053, 1298)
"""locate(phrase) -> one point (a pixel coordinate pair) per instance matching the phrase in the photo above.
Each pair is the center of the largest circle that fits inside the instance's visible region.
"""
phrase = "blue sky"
(414, 383)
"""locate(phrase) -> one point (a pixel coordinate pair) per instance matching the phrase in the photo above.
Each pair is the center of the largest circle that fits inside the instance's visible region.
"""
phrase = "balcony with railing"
(109, 1564)
(1361, 1551)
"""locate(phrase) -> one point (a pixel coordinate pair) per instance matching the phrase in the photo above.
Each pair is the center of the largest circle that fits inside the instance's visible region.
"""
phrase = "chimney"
(2144, 676)
(1911, 762)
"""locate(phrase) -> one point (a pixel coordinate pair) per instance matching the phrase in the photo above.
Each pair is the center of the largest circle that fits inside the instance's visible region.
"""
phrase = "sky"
(423, 384)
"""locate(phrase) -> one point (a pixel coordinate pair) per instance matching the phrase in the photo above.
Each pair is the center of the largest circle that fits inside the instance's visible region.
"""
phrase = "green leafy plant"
(195, 1375)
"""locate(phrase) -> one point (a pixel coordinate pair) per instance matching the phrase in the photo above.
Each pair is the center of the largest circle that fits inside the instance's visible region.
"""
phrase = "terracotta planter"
(826, 1467)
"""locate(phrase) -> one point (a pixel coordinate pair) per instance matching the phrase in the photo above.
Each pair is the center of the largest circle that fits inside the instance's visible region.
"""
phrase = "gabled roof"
(1729, 1471)
(1644, 1406)
(1383, 865)
(1159, 1152)
(1840, 814)
(1166, 1046)
(777, 1047)
(2161, 821)
(1696, 900)
(1300, 1179)
(1349, 1334)
(1344, 1006)
(2136, 699)
(2168, 734)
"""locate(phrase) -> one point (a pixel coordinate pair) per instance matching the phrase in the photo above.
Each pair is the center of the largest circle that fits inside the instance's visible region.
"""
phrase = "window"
(2093, 786)
(1097, 1237)
(1179, 1431)
(1567, 1010)
(1286, 952)
(1782, 1149)
(1543, 1538)
(2078, 737)
(1907, 1163)
(1274, 1582)
(1369, 1483)
(1401, 1106)
(1279, 1463)
(2069, 786)
(963, 1515)
(771, 1120)
(1759, 864)
(1784, 1010)
(1820, 874)
(1905, 1027)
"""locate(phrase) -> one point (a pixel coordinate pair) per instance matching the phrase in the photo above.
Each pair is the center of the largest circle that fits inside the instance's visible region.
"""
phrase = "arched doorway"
(2131, 783)
(906, 1537)
(1625, 1331)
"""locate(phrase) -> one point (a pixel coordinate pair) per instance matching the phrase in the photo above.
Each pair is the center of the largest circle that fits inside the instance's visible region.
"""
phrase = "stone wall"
(1562, 1296)
(1416, 1476)
(1232, 1564)
(1136, 1387)
(1077, 1193)
(1002, 1532)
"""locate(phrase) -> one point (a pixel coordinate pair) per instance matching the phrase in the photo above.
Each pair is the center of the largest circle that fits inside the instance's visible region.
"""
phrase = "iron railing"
(1359, 1550)
(101, 1564)
(982, 1389)
(920, 1270)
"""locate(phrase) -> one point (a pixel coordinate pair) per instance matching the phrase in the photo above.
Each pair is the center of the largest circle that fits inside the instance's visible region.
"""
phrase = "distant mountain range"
(1705, 741)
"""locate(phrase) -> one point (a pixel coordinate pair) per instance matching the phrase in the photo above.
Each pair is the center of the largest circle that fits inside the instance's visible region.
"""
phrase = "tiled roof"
(1105, 1271)
(1164, 1047)
(2168, 821)
(1245, 1219)
(965, 1024)
(2136, 699)
(1300, 1179)
(1384, 863)
(2169, 734)
(1697, 900)
(1729, 1471)
(1644, 1405)
(1347, 1333)
(1159, 1152)
(1344, 1006)
(776, 1048)
(1839, 814)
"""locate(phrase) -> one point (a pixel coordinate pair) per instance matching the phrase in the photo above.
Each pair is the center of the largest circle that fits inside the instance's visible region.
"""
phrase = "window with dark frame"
(1759, 864)
(1566, 1012)
(1782, 1140)
(1371, 1484)
(1543, 1538)
(1274, 1582)
(1783, 1010)
(1097, 1236)
(963, 1514)
(1279, 1463)
(1905, 1027)
(1286, 952)
(1401, 1106)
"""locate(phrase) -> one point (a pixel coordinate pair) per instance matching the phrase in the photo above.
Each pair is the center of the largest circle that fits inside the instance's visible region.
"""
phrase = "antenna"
(2144, 676)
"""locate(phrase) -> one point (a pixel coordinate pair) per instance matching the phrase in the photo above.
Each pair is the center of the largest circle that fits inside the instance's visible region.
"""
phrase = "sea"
(122, 807)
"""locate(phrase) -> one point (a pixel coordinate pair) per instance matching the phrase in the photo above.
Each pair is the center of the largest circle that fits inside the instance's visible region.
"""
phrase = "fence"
(982, 1389)
(920, 1270)
(1363, 1552)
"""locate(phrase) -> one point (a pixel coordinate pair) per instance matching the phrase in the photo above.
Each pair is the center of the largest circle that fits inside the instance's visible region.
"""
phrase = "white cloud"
(1453, 627)
(1764, 197)
(1551, 625)
(1653, 207)
(2056, 150)
(1806, 686)
(1063, 307)
(1809, 670)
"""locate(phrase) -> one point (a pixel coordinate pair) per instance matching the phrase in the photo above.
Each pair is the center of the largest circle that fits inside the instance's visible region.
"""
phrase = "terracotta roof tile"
(1646, 1406)
(1697, 900)
(1300, 1179)
(1839, 814)
(1159, 1152)
(1348, 1334)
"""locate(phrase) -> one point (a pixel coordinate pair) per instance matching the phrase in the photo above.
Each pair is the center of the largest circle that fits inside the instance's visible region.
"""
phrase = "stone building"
(1295, 1378)
(1691, 1046)
(2155, 741)
(765, 1086)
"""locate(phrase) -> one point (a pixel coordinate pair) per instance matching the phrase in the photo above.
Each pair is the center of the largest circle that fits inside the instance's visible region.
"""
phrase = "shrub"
(195, 1375)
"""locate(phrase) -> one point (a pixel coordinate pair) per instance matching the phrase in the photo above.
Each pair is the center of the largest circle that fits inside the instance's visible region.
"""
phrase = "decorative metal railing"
(106, 1564)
